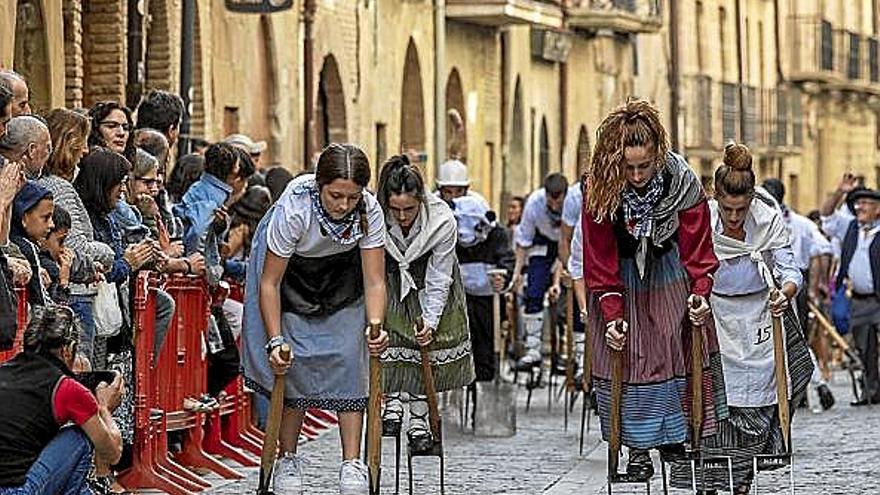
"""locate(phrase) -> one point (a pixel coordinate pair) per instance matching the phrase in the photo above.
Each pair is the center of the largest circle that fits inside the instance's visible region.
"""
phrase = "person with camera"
(51, 425)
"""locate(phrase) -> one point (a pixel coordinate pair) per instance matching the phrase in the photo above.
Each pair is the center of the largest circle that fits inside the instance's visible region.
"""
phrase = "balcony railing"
(825, 54)
(626, 16)
(715, 113)
(546, 13)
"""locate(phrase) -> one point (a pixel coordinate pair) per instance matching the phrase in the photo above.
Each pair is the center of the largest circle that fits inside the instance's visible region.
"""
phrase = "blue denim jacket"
(196, 209)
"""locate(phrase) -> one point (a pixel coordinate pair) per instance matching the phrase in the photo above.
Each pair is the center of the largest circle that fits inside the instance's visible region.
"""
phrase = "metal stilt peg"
(701, 468)
(772, 462)
(436, 450)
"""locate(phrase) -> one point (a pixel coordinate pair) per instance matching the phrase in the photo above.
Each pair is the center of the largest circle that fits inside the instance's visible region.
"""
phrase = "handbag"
(106, 310)
(840, 305)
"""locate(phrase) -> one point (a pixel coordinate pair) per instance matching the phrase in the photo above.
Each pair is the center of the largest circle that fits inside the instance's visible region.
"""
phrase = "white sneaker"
(287, 478)
(353, 478)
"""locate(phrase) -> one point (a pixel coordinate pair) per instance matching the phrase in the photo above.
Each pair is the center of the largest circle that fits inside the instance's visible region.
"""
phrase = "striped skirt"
(750, 431)
(655, 407)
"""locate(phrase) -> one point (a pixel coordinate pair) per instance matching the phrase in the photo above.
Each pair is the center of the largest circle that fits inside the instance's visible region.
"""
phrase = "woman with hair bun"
(648, 258)
(426, 301)
(315, 278)
(752, 242)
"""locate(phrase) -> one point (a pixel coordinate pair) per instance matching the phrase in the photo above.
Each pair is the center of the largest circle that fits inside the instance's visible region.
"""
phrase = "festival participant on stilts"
(426, 302)
(537, 238)
(647, 258)
(752, 242)
(482, 246)
(316, 277)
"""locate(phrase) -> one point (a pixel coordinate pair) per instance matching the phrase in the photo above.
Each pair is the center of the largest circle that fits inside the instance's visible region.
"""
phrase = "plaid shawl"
(345, 231)
(638, 211)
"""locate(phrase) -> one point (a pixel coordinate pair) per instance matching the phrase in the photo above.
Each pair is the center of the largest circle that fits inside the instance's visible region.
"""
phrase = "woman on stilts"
(752, 242)
(647, 258)
(316, 277)
(426, 300)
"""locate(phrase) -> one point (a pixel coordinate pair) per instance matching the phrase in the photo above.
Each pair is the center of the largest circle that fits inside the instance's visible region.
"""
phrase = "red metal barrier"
(18, 343)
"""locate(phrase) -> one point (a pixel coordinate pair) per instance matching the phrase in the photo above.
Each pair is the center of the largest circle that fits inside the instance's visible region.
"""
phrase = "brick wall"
(104, 24)
(73, 53)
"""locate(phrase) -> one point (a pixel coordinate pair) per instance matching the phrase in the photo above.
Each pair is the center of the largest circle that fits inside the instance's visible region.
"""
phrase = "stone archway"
(32, 52)
(583, 152)
(330, 122)
(456, 119)
(543, 152)
(514, 180)
(412, 108)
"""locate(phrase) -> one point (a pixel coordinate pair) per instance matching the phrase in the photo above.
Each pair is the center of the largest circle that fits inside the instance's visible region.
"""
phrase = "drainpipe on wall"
(439, 83)
(502, 196)
(674, 90)
(780, 75)
(739, 70)
(187, 35)
(135, 70)
(309, 8)
(563, 97)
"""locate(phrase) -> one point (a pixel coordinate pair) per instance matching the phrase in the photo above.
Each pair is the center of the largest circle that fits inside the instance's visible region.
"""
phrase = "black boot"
(640, 465)
(826, 398)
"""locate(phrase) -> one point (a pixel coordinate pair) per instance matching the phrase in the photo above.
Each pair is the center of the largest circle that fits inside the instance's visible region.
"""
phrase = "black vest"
(27, 423)
(848, 250)
(317, 287)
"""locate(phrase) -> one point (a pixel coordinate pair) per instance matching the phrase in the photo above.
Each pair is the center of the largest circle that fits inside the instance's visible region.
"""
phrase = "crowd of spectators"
(84, 206)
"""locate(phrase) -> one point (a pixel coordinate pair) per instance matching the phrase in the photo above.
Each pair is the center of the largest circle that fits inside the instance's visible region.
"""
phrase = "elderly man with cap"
(254, 148)
(860, 272)
(27, 141)
(20, 93)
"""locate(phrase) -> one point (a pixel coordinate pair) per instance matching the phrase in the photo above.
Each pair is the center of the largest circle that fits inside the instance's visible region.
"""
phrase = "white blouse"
(294, 227)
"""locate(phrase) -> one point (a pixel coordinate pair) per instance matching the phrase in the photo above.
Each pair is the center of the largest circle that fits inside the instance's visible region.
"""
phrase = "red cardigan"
(602, 263)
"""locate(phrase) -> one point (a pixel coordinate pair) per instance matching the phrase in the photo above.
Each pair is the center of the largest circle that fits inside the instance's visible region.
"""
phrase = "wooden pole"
(273, 427)
(374, 416)
(430, 390)
(617, 362)
(569, 336)
(781, 376)
(696, 383)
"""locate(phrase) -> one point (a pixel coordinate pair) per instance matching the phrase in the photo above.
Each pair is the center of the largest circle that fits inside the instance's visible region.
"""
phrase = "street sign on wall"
(258, 6)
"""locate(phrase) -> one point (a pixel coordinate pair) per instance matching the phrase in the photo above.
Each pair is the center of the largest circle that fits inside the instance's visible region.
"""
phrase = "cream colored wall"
(474, 52)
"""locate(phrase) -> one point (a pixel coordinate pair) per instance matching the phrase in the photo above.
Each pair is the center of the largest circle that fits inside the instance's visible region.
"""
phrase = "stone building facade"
(522, 89)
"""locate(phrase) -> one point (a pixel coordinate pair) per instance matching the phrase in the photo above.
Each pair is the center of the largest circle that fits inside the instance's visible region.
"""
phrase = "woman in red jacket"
(647, 259)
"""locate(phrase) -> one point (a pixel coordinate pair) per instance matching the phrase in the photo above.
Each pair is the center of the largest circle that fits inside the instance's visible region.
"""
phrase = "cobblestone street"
(835, 453)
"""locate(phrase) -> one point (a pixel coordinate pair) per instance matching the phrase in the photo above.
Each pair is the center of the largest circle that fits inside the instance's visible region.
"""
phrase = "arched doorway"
(456, 119)
(514, 180)
(32, 54)
(412, 110)
(330, 126)
(543, 152)
(583, 152)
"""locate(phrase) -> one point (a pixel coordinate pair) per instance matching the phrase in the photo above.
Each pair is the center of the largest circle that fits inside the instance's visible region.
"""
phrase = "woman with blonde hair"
(69, 131)
(753, 243)
(648, 265)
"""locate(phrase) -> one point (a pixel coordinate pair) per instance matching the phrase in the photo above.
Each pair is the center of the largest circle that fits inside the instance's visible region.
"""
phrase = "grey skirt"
(330, 367)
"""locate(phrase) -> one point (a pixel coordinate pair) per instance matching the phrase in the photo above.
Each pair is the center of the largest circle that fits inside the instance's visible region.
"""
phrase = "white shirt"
(740, 276)
(536, 219)
(806, 240)
(294, 227)
(576, 260)
(836, 224)
(860, 273)
(573, 205)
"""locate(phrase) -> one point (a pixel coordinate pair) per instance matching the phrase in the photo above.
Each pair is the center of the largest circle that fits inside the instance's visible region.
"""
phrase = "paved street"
(835, 454)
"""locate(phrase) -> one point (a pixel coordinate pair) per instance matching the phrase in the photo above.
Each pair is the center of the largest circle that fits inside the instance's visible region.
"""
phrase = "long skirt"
(330, 360)
(449, 353)
(750, 431)
(655, 406)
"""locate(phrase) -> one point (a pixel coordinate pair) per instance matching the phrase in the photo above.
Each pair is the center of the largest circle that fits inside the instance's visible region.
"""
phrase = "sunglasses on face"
(149, 182)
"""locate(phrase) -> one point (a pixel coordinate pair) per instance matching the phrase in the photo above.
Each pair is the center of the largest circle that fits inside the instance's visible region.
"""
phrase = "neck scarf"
(345, 231)
(638, 211)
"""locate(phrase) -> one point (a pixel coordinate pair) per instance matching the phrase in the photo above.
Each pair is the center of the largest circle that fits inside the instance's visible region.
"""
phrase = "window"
(781, 134)
(797, 119)
(728, 112)
(827, 53)
(854, 66)
(750, 100)
(873, 69)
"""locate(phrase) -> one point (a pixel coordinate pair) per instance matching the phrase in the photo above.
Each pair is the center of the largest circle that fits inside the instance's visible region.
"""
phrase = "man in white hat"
(453, 182)
(254, 148)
